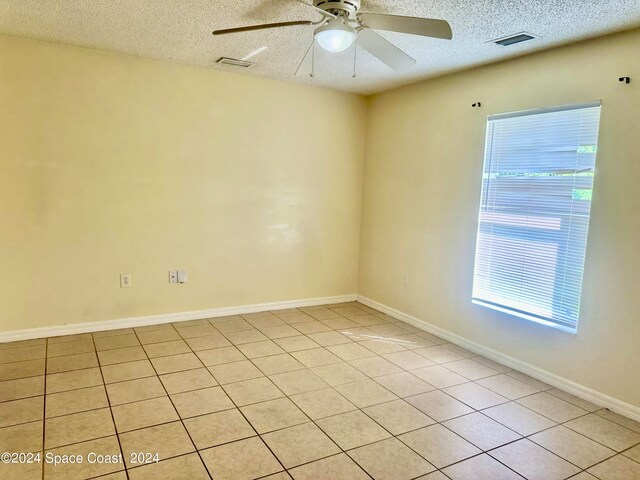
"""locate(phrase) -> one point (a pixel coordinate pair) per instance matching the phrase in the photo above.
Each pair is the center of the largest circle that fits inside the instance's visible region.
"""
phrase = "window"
(534, 213)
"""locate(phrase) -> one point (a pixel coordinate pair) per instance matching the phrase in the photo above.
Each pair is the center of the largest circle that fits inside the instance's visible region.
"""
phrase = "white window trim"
(496, 307)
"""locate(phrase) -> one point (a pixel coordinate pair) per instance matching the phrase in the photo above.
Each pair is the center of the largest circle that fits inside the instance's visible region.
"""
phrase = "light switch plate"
(182, 276)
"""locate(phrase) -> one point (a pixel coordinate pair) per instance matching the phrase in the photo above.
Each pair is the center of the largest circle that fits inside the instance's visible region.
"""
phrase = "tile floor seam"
(335, 415)
(394, 438)
(479, 455)
(527, 408)
(546, 429)
(566, 459)
(113, 420)
(592, 439)
(508, 401)
(358, 409)
(577, 433)
(444, 364)
(527, 437)
(79, 442)
(613, 421)
(26, 398)
(361, 466)
(121, 404)
(328, 416)
(241, 413)
(342, 451)
(266, 401)
(23, 360)
(362, 445)
(606, 460)
(507, 466)
(20, 378)
(488, 452)
(128, 469)
(44, 401)
(482, 450)
(175, 409)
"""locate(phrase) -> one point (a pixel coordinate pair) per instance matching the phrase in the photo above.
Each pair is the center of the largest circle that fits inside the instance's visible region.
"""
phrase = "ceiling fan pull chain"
(313, 59)
(355, 56)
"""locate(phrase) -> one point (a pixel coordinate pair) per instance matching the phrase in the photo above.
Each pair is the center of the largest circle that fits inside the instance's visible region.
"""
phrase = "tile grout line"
(234, 404)
(174, 407)
(44, 401)
(342, 451)
(482, 451)
(265, 356)
(508, 400)
(524, 437)
(106, 394)
(328, 386)
(334, 415)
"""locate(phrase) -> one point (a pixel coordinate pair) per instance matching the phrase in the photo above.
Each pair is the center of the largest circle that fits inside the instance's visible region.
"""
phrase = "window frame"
(513, 312)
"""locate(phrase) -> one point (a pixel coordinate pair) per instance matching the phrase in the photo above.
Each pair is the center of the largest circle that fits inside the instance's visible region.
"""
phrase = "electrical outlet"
(405, 280)
(125, 280)
(173, 276)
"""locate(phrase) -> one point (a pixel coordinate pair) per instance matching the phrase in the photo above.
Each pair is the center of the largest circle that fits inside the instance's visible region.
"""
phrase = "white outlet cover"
(125, 280)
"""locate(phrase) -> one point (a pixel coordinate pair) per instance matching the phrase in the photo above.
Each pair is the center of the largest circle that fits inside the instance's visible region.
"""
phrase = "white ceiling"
(180, 31)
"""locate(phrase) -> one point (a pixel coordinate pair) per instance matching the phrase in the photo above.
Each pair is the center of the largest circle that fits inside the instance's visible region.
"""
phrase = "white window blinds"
(534, 212)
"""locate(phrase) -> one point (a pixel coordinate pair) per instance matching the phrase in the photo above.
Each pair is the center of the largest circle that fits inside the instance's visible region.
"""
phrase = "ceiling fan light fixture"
(336, 36)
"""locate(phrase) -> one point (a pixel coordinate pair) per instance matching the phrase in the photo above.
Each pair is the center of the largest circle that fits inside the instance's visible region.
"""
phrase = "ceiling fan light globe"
(335, 36)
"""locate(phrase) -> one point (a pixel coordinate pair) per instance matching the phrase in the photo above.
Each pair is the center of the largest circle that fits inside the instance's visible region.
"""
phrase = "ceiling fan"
(343, 23)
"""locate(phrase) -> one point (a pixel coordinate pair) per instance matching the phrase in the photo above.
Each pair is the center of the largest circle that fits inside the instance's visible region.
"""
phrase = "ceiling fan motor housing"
(348, 7)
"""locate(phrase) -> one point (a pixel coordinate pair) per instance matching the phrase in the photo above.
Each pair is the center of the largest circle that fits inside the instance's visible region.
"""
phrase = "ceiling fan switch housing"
(348, 6)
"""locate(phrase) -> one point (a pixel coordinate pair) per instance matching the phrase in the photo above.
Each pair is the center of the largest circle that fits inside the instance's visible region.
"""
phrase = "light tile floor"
(330, 392)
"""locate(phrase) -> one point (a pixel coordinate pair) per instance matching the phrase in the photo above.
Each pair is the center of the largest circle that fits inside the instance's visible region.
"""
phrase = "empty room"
(319, 240)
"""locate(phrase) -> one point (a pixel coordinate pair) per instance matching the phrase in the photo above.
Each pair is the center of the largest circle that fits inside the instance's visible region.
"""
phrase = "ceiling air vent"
(513, 39)
(234, 62)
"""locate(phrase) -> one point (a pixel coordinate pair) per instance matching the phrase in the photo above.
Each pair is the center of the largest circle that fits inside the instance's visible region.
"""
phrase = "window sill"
(524, 316)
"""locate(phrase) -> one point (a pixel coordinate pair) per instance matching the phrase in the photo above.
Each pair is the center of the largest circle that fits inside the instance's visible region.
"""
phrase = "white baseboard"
(601, 399)
(74, 328)
(586, 393)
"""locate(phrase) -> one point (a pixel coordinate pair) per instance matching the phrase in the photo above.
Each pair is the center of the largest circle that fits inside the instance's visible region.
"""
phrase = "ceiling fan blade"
(427, 27)
(262, 27)
(385, 51)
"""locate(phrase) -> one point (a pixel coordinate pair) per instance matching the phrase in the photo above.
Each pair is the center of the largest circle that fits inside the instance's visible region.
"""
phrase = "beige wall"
(112, 164)
(421, 197)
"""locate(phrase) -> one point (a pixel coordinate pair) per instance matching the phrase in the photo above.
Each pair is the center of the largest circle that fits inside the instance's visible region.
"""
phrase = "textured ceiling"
(180, 31)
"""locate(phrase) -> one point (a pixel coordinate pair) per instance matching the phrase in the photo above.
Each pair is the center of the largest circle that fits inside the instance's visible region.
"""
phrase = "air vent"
(234, 62)
(513, 39)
